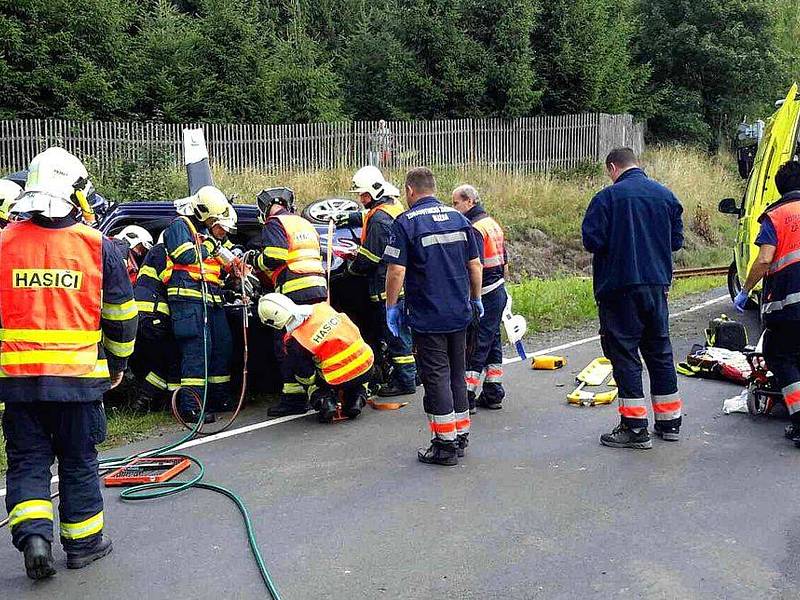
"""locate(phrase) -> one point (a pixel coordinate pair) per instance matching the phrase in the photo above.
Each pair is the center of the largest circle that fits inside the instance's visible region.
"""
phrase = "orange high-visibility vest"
(211, 271)
(391, 208)
(305, 256)
(51, 288)
(786, 221)
(339, 351)
(493, 242)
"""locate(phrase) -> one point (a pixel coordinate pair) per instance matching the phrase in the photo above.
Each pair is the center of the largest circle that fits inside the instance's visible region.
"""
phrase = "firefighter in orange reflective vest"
(778, 263)
(9, 192)
(378, 197)
(486, 358)
(190, 286)
(67, 327)
(288, 256)
(326, 351)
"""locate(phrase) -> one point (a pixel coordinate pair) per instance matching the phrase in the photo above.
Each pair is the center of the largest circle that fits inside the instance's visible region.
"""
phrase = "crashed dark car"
(348, 293)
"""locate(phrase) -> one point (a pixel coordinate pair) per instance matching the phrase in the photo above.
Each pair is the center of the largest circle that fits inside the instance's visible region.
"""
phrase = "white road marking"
(279, 420)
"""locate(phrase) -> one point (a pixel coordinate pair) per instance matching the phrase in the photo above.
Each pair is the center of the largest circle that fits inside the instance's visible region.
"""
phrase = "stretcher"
(597, 373)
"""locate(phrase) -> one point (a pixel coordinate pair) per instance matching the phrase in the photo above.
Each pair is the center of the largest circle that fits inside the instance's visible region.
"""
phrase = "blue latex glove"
(477, 304)
(741, 300)
(394, 319)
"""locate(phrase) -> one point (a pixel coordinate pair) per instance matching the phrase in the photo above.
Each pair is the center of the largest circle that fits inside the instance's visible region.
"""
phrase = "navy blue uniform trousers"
(487, 356)
(187, 327)
(36, 433)
(636, 320)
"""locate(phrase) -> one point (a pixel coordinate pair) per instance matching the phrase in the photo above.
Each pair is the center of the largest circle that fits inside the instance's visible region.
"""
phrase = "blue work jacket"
(632, 228)
(434, 242)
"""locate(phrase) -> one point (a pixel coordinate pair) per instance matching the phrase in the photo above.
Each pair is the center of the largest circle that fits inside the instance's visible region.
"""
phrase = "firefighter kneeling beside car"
(326, 351)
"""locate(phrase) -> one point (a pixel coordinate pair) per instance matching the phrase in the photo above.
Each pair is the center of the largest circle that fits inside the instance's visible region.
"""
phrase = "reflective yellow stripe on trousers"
(29, 510)
(77, 531)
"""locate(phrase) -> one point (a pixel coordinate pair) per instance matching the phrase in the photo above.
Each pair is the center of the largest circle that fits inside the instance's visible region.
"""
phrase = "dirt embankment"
(532, 253)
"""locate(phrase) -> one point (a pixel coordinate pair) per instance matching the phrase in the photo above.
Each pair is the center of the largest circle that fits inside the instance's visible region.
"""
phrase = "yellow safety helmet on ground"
(9, 192)
(54, 176)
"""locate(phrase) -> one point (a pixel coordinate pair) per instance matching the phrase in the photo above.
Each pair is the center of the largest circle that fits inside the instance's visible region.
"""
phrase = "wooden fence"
(530, 144)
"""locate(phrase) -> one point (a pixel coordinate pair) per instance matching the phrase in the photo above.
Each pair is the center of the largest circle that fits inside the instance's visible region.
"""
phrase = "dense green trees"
(692, 67)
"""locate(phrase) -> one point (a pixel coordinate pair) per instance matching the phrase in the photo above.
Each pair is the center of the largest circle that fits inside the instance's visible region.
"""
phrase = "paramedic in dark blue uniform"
(433, 250)
(632, 228)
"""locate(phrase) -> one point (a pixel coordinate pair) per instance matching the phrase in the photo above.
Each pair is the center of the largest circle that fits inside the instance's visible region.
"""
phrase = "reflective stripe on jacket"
(781, 300)
(392, 208)
(332, 338)
(494, 253)
(303, 254)
(51, 288)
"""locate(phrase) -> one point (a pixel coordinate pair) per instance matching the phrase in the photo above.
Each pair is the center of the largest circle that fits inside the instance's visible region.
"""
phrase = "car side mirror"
(728, 206)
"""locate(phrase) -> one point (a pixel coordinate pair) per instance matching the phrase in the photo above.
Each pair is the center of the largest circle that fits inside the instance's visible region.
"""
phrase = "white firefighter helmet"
(370, 180)
(53, 177)
(278, 311)
(161, 237)
(135, 235)
(9, 192)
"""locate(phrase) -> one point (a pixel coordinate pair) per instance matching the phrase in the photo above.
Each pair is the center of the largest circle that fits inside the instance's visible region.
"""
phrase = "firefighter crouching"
(288, 256)
(376, 194)
(154, 362)
(486, 358)
(9, 192)
(67, 326)
(192, 284)
(326, 352)
(778, 263)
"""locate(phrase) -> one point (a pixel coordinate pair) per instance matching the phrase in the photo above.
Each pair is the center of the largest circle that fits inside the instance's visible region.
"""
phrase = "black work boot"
(351, 411)
(624, 437)
(78, 560)
(288, 406)
(38, 558)
(668, 433)
(463, 441)
(394, 389)
(440, 452)
(490, 403)
(327, 408)
(471, 400)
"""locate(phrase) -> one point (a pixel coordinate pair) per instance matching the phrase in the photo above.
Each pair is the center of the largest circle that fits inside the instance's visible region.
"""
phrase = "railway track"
(699, 272)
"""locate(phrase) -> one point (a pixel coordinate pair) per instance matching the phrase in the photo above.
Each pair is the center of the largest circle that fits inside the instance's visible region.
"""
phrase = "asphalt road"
(538, 509)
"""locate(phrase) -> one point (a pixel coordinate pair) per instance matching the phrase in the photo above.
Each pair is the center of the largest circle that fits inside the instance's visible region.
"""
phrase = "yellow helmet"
(209, 202)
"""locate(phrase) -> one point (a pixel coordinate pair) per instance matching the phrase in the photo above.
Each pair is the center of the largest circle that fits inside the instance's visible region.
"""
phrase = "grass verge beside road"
(553, 304)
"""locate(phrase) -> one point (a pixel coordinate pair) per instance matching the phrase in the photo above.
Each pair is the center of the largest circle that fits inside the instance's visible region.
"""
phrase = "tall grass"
(553, 304)
(553, 203)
